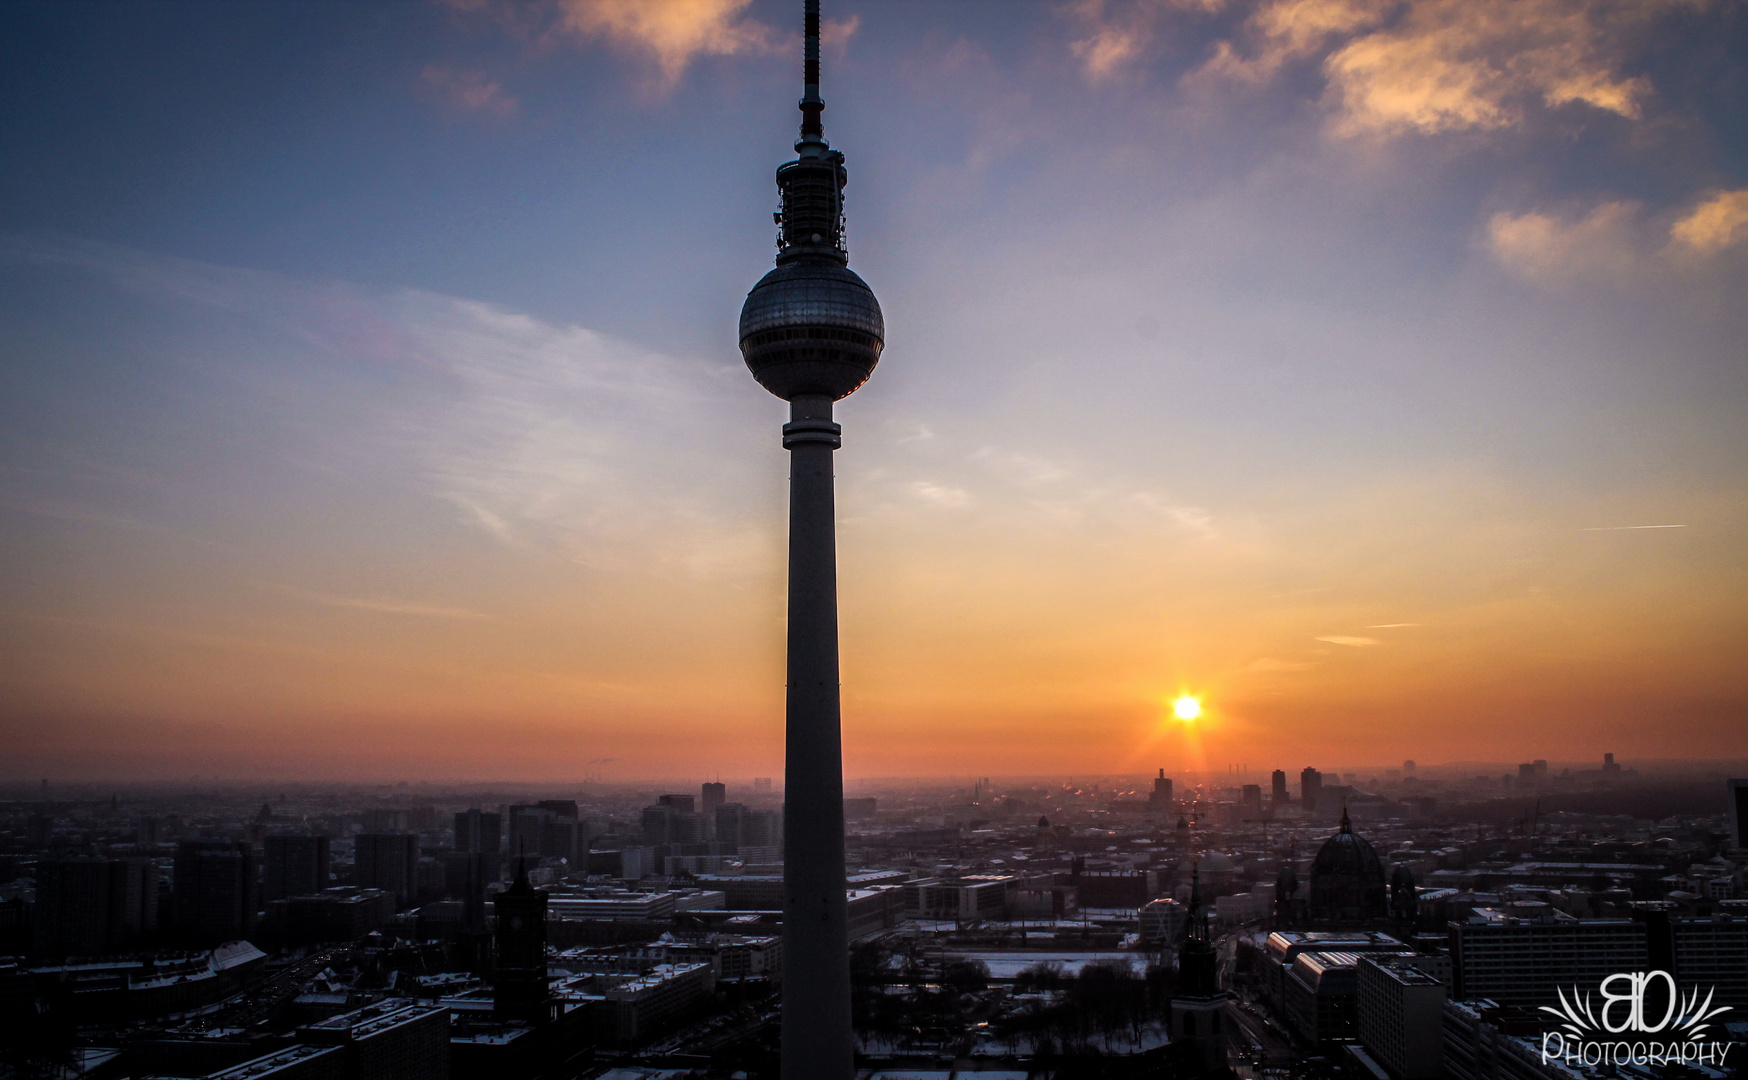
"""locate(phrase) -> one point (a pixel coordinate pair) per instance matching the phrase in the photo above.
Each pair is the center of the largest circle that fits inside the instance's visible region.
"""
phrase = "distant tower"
(1310, 787)
(1198, 1002)
(1160, 799)
(811, 333)
(1278, 789)
(712, 796)
(519, 986)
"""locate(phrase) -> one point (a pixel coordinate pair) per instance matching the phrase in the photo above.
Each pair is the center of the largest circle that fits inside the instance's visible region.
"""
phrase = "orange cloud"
(673, 32)
(1425, 65)
(1719, 222)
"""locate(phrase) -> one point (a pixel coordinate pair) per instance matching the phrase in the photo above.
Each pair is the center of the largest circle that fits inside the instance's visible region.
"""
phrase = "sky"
(1372, 370)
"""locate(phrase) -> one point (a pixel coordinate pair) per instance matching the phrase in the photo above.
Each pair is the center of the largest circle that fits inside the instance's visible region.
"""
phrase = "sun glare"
(1186, 708)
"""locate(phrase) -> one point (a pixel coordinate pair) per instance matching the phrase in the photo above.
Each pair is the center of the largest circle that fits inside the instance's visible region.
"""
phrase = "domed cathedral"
(1347, 879)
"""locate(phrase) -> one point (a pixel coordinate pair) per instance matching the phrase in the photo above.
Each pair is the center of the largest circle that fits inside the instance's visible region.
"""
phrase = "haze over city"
(370, 405)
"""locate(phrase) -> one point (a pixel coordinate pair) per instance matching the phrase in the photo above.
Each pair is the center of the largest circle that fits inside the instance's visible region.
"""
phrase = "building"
(1114, 888)
(1160, 797)
(1347, 878)
(480, 831)
(398, 1039)
(1321, 994)
(638, 1008)
(332, 915)
(1278, 796)
(1515, 961)
(1310, 788)
(388, 861)
(293, 865)
(1251, 798)
(1162, 922)
(550, 829)
(215, 891)
(861, 809)
(612, 904)
(1283, 947)
(90, 907)
(672, 821)
(711, 796)
(1401, 1017)
(1714, 953)
(1737, 809)
(1484, 1040)
(729, 819)
(295, 1062)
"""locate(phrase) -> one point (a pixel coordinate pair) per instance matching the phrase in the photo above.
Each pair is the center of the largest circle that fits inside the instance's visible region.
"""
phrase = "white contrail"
(1623, 528)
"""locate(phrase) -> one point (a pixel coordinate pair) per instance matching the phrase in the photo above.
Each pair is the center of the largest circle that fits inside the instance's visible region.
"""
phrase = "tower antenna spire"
(812, 142)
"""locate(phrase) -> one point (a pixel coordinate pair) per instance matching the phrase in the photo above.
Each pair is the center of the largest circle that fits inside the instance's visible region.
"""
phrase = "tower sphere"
(811, 327)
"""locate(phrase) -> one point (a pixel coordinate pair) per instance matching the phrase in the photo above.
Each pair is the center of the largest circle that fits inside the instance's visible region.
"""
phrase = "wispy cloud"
(1546, 247)
(1628, 528)
(1391, 625)
(674, 33)
(395, 607)
(1351, 642)
(1275, 663)
(468, 91)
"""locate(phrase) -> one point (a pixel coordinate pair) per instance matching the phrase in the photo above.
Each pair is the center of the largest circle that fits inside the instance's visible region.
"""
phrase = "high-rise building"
(714, 795)
(89, 906)
(1401, 1016)
(811, 332)
(549, 829)
(672, 823)
(729, 819)
(390, 862)
(293, 865)
(1252, 797)
(561, 807)
(1737, 808)
(1310, 787)
(479, 831)
(215, 891)
(1160, 797)
(761, 785)
(1278, 789)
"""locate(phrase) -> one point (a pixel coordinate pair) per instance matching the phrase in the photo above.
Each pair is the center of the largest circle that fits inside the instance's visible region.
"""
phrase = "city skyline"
(358, 423)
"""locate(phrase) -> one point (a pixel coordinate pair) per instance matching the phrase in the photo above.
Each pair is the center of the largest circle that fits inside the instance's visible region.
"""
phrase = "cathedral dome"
(1347, 878)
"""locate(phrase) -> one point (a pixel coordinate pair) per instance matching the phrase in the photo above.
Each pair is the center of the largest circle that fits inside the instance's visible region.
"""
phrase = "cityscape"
(1248, 586)
(1407, 923)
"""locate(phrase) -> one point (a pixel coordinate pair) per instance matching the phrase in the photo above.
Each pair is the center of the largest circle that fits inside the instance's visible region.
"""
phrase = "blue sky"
(369, 368)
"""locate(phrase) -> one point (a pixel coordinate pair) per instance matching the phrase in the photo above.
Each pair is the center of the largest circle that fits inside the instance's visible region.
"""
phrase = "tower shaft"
(818, 1043)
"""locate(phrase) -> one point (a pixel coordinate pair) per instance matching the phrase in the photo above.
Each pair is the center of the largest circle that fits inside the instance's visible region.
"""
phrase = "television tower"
(811, 333)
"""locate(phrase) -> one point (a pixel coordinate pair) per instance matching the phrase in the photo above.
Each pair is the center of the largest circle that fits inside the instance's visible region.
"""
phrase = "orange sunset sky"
(370, 405)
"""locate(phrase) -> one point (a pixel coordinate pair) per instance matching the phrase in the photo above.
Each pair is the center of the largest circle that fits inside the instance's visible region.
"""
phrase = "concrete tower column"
(817, 1039)
(811, 332)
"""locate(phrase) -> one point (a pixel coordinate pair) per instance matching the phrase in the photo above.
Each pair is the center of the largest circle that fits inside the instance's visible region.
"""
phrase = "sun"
(1186, 708)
